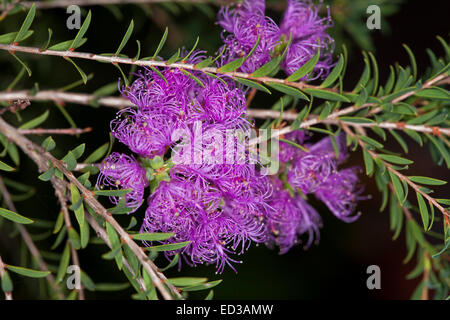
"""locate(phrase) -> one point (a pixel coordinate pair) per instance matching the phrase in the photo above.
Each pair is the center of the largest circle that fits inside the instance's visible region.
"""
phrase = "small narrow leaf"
(77, 42)
(153, 236)
(126, 37)
(161, 43)
(334, 74)
(306, 68)
(427, 180)
(26, 24)
(423, 210)
(15, 217)
(169, 247)
(5, 167)
(288, 90)
(35, 122)
(28, 272)
(395, 159)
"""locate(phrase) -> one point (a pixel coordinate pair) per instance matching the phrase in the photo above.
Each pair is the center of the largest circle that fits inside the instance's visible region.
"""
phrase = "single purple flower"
(341, 192)
(292, 218)
(302, 21)
(244, 24)
(123, 172)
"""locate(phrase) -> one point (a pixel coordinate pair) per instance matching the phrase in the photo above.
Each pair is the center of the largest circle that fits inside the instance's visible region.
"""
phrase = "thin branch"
(426, 276)
(68, 131)
(402, 177)
(120, 103)
(151, 63)
(8, 295)
(19, 104)
(29, 242)
(40, 157)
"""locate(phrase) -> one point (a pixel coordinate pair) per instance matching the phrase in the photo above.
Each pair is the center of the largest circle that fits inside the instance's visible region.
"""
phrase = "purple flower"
(292, 218)
(195, 215)
(244, 24)
(123, 172)
(302, 20)
(311, 169)
(341, 193)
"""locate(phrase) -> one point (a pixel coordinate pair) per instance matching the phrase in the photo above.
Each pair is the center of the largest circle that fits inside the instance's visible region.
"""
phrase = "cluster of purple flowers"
(243, 24)
(221, 207)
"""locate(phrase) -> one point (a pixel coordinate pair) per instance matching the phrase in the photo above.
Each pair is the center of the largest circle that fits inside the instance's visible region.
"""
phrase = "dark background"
(336, 268)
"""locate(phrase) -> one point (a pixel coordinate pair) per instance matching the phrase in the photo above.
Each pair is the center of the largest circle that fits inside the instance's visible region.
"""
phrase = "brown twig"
(68, 131)
(19, 104)
(29, 242)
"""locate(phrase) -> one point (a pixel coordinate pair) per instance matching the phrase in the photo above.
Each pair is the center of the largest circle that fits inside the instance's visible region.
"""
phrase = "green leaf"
(35, 122)
(174, 58)
(306, 68)
(190, 75)
(398, 187)
(21, 35)
(70, 160)
(327, 95)
(412, 60)
(203, 286)
(7, 285)
(74, 238)
(169, 247)
(81, 72)
(267, 68)
(232, 66)
(364, 77)
(253, 84)
(64, 263)
(97, 154)
(22, 63)
(76, 199)
(433, 93)
(427, 180)
(160, 236)
(423, 210)
(77, 42)
(28, 272)
(47, 175)
(334, 74)
(441, 148)
(8, 38)
(395, 159)
(204, 63)
(294, 144)
(79, 150)
(48, 144)
(15, 217)
(371, 142)
(113, 193)
(50, 33)
(288, 90)
(126, 37)
(368, 162)
(5, 167)
(356, 120)
(161, 43)
(111, 286)
(375, 72)
(186, 281)
(65, 45)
